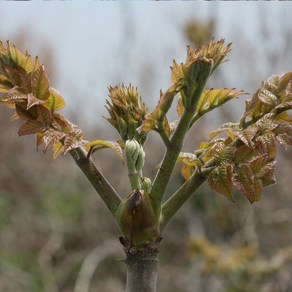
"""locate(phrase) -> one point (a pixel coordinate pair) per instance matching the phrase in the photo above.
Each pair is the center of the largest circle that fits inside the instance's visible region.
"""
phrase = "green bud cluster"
(127, 112)
(199, 65)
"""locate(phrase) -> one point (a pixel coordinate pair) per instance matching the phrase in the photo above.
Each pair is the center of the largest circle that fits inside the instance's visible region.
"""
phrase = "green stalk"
(164, 173)
(175, 202)
(96, 178)
(173, 149)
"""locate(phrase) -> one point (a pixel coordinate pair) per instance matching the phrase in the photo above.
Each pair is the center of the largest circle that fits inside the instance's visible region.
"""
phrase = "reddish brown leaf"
(220, 180)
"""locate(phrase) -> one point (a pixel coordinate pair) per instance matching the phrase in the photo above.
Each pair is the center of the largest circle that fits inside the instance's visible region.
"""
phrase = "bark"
(142, 266)
(141, 272)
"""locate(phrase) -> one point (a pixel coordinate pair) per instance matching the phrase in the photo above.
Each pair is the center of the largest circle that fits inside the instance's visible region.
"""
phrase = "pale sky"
(97, 44)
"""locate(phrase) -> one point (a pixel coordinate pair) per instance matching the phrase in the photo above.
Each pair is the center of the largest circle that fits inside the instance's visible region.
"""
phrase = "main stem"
(141, 272)
(142, 267)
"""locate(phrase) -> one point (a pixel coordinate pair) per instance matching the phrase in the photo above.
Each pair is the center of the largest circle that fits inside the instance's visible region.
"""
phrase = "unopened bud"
(140, 159)
(146, 184)
(132, 148)
(137, 218)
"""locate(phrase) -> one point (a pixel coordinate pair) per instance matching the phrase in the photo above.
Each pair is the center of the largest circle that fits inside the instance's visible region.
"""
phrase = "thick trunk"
(141, 272)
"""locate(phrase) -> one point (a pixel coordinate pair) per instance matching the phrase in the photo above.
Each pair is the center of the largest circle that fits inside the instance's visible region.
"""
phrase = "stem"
(96, 178)
(174, 203)
(141, 272)
(169, 160)
(164, 173)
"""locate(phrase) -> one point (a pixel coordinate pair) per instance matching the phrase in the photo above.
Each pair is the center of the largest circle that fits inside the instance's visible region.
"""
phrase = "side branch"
(174, 203)
(96, 178)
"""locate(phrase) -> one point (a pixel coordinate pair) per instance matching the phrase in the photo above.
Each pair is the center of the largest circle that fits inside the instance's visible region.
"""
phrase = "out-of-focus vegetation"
(48, 212)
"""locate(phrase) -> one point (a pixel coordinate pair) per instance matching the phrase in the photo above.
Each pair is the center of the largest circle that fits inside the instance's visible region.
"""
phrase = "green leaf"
(220, 180)
(187, 171)
(190, 159)
(283, 118)
(58, 148)
(101, 144)
(5, 84)
(180, 107)
(55, 101)
(214, 98)
(230, 128)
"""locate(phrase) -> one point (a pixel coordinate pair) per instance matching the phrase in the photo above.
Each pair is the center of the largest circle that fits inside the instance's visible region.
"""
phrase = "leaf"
(55, 101)
(190, 159)
(274, 96)
(51, 137)
(213, 50)
(157, 120)
(71, 142)
(32, 100)
(100, 144)
(245, 181)
(31, 127)
(5, 84)
(58, 148)
(18, 58)
(269, 177)
(214, 98)
(247, 136)
(40, 84)
(215, 151)
(187, 171)
(283, 118)
(180, 107)
(26, 114)
(265, 144)
(264, 169)
(44, 116)
(283, 82)
(220, 180)
(16, 75)
(267, 97)
(229, 128)
(244, 154)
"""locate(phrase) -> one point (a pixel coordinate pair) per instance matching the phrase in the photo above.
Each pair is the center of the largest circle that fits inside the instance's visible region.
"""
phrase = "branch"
(174, 203)
(96, 178)
(169, 160)
(91, 263)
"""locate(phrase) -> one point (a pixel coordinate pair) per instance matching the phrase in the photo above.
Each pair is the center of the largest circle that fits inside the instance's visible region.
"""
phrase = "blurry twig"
(249, 226)
(90, 264)
(14, 273)
(49, 249)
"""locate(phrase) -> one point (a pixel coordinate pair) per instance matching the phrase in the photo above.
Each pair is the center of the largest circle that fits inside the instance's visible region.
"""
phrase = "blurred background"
(55, 233)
